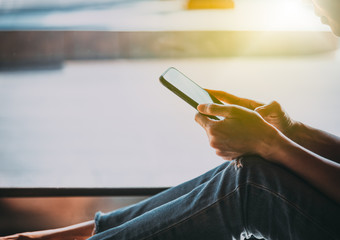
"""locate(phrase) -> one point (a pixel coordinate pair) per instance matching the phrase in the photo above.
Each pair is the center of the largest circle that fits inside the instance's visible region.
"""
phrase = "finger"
(230, 154)
(229, 111)
(232, 99)
(250, 104)
(229, 158)
(265, 110)
(224, 96)
(202, 120)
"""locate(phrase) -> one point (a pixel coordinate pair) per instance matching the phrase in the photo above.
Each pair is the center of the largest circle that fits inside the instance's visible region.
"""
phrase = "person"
(280, 181)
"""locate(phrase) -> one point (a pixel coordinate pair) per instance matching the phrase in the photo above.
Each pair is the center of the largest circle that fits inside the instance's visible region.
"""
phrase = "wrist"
(271, 145)
(293, 130)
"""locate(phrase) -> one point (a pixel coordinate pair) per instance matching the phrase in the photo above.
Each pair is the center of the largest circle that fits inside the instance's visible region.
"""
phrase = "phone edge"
(184, 97)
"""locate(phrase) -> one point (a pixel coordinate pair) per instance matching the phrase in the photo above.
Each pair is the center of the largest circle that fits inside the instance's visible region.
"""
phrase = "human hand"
(242, 132)
(235, 100)
(273, 113)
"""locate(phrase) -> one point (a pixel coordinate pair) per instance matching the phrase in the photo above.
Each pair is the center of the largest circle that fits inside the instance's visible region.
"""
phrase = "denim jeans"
(259, 200)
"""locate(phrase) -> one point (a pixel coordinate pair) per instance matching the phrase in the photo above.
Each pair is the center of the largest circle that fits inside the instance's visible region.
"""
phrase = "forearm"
(315, 140)
(318, 171)
(79, 231)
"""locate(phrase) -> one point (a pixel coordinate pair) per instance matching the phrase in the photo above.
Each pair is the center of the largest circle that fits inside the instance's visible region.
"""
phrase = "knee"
(244, 171)
(256, 170)
(251, 161)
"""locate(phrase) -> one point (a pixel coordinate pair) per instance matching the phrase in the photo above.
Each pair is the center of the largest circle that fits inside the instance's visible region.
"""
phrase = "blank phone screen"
(186, 86)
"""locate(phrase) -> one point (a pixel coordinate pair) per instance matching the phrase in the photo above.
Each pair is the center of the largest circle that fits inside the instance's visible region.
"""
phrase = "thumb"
(265, 110)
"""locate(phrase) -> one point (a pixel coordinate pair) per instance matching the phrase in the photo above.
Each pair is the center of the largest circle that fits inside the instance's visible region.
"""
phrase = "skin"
(79, 231)
(251, 127)
(317, 141)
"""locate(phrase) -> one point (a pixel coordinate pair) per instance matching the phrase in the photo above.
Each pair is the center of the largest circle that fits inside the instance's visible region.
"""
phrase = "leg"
(120, 216)
(259, 200)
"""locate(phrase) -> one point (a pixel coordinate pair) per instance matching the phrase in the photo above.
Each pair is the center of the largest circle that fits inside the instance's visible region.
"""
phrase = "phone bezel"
(185, 97)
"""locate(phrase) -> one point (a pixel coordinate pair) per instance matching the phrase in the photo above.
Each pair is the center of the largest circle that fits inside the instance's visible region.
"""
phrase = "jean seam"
(233, 192)
(298, 209)
(198, 212)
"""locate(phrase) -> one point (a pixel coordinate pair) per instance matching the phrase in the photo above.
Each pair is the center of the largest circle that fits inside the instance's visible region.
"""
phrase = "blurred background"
(81, 105)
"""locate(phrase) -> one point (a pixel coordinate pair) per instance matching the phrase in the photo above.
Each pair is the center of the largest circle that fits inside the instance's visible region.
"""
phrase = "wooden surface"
(112, 124)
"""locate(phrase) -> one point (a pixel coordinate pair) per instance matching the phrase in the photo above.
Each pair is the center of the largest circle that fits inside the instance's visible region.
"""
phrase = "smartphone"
(186, 89)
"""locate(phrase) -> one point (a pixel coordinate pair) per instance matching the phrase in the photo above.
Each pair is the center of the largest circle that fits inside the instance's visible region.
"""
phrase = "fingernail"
(201, 107)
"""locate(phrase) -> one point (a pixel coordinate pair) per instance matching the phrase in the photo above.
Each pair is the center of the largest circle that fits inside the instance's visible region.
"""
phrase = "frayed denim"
(259, 200)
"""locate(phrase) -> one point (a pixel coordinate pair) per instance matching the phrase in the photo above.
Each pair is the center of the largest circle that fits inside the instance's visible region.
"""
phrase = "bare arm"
(318, 141)
(79, 231)
(318, 171)
(244, 132)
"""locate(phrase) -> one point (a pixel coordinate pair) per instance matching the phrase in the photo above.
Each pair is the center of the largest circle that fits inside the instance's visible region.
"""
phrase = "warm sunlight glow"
(248, 15)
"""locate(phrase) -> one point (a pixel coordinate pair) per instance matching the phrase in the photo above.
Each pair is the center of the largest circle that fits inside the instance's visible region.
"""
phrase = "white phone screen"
(186, 86)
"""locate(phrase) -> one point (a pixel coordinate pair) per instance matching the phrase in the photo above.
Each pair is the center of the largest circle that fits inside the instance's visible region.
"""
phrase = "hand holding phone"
(188, 90)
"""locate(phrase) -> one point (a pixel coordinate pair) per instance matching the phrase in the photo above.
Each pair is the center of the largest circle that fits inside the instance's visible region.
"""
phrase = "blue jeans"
(260, 200)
